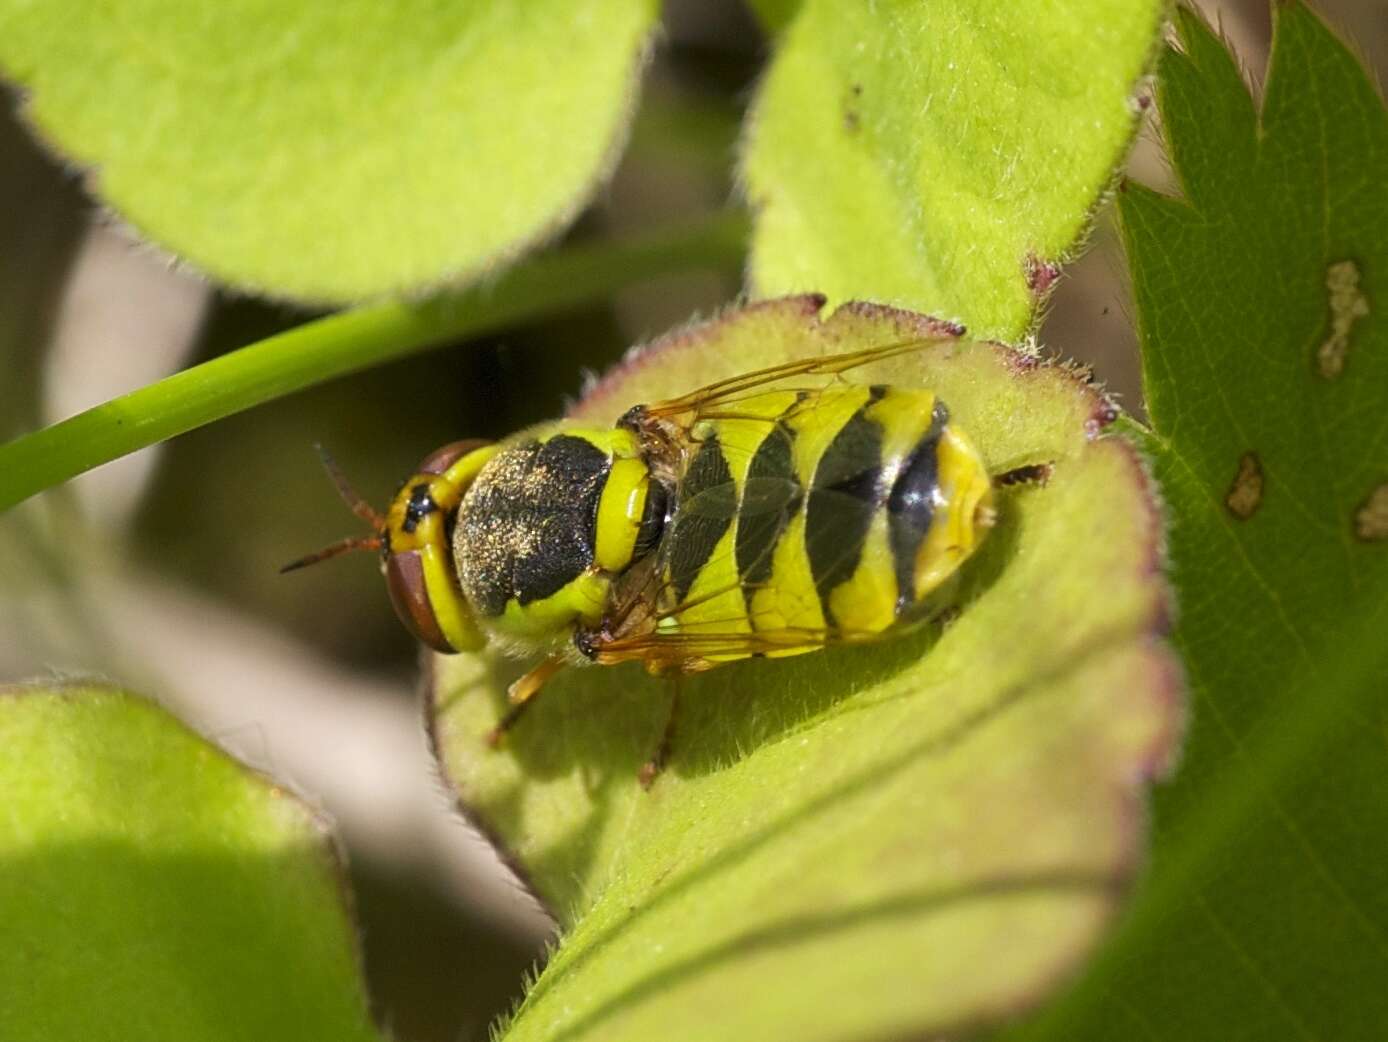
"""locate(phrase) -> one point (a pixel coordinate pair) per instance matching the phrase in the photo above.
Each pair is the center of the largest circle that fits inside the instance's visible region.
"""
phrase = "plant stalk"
(349, 341)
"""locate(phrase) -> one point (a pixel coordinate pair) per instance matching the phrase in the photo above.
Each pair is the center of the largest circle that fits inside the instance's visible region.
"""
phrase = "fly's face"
(413, 540)
(522, 540)
(415, 551)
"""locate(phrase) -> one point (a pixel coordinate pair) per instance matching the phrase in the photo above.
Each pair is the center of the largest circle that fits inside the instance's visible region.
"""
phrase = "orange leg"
(522, 693)
(1029, 474)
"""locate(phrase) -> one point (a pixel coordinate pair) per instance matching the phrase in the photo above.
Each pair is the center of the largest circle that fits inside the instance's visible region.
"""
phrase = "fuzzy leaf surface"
(861, 842)
(940, 157)
(151, 887)
(334, 151)
(1261, 297)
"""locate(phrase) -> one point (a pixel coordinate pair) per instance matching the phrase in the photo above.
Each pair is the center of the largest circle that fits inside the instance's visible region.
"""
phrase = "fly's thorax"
(556, 515)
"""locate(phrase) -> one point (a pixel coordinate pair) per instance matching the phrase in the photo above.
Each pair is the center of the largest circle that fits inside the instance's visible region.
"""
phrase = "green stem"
(350, 341)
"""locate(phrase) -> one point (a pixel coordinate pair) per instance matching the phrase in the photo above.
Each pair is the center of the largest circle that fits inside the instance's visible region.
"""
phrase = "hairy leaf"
(153, 888)
(860, 842)
(941, 156)
(334, 151)
(1260, 302)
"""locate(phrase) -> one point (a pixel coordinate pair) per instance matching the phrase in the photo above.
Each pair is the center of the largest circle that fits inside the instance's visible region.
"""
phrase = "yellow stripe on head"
(416, 548)
(451, 610)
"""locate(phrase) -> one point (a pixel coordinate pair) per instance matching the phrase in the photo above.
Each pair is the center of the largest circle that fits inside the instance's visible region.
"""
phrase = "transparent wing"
(766, 505)
(662, 597)
(706, 402)
(675, 652)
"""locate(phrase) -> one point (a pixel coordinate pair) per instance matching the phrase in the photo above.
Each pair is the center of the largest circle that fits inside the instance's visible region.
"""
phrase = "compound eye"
(409, 592)
(416, 535)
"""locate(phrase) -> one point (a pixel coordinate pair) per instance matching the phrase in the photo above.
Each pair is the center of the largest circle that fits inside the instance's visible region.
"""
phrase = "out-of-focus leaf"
(863, 842)
(153, 888)
(334, 151)
(774, 15)
(1261, 300)
(940, 156)
(39, 235)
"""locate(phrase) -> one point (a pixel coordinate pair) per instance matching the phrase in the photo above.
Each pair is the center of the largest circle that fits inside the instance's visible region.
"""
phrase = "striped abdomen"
(836, 512)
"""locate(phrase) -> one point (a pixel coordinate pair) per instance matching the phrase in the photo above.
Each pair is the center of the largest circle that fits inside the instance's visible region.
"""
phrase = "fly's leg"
(651, 769)
(1030, 474)
(522, 694)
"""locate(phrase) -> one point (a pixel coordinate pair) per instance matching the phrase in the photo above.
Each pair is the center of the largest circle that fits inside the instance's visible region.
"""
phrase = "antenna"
(356, 505)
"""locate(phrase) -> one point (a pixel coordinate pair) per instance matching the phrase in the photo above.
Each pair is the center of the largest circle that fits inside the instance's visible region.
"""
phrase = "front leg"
(522, 693)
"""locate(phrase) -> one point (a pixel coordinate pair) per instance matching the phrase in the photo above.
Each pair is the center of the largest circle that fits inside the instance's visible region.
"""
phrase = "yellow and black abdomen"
(837, 512)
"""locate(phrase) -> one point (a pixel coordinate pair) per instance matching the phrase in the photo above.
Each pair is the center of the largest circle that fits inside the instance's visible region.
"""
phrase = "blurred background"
(159, 571)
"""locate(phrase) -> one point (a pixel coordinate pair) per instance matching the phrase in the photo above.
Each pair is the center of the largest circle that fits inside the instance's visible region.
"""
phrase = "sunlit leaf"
(334, 151)
(1261, 300)
(862, 842)
(940, 156)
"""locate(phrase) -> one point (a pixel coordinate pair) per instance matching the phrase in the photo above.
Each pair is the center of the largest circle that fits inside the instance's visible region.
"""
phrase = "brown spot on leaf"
(1041, 274)
(1371, 519)
(1246, 493)
(851, 122)
(1347, 305)
(1105, 411)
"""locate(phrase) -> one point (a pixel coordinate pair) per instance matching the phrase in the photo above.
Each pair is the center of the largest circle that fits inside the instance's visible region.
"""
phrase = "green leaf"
(875, 841)
(153, 888)
(1267, 911)
(335, 151)
(941, 156)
